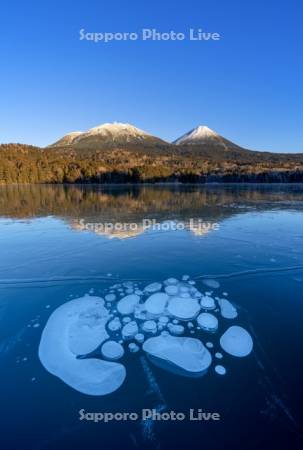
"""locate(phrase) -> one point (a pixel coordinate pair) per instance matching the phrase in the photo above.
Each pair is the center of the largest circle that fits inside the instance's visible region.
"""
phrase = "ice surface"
(156, 303)
(186, 353)
(207, 322)
(127, 304)
(237, 341)
(184, 309)
(58, 345)
(112, 350)
(228, 311)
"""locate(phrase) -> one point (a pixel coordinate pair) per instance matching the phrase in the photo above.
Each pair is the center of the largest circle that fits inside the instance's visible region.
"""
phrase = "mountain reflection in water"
(128, 211)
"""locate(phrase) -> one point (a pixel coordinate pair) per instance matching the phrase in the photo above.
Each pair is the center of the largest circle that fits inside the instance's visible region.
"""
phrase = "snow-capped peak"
(116, 128)
(198, 134)
(109, 135)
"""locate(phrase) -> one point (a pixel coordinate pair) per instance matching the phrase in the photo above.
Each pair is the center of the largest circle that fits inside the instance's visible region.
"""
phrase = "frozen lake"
(240, 243)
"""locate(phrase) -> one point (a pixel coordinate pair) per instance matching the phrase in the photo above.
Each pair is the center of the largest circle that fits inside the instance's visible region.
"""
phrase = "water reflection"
(130, 208)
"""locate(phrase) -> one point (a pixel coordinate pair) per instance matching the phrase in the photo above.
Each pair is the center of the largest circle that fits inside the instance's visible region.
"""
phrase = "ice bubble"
(163, 320)
(138, 292)
(149, 326)
(237, 341)
(209, 345)
(175, 329)
(172, 289)
(228, 311)
(87, 331)
(133, 348)
(171, 281)
(184, 289)
(110, 297)
(208, 322)
(114, 325)
(127, 304)
(156, 303)
(211, 283)
(164, 333)
(130, 330)
(126, 319)
(184, 309)
(207, 302)
(112, 350)
(185, 277)
(36, 325)
(73, 327)
(220, 370)
(129, 291)
(218, 355)
(185, 295)
(188, 354)
(153, 287)
(140, 337)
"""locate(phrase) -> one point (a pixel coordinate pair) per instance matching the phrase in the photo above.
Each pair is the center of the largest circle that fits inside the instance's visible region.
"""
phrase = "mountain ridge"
(108, 135)
(122, 153)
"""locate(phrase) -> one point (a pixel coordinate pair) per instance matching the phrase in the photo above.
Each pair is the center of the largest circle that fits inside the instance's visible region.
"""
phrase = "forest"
(21, 164)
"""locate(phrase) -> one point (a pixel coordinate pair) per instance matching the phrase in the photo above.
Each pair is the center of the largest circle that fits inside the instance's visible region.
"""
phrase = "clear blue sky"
(248, 86)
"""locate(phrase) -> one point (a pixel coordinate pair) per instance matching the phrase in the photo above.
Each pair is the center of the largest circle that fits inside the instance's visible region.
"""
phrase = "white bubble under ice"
(236, 341)
(59, 347)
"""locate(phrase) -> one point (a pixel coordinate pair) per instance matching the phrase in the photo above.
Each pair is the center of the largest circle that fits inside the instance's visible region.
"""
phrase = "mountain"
(68, 139)
(203, 136)
(109, 135)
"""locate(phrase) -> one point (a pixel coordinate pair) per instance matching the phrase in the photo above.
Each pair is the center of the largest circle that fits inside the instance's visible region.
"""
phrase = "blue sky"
(248, 86)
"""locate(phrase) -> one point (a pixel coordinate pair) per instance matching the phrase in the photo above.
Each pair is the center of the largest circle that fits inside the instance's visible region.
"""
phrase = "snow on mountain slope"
(202, 135)
(68, 139)
(109, 134)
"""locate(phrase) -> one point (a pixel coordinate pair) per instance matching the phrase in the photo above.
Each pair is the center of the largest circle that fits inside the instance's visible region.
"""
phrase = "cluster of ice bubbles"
(84, 338)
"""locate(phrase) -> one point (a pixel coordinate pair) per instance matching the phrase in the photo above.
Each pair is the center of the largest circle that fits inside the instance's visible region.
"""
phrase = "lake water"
(58, 243)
